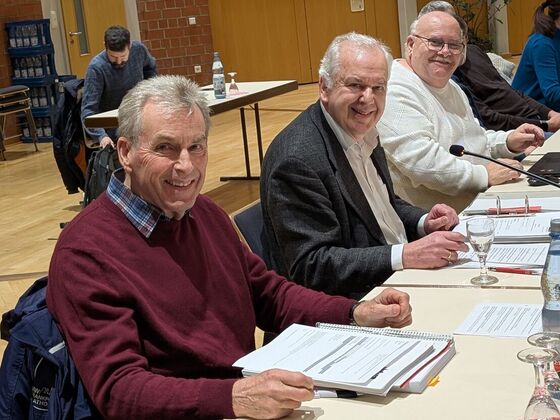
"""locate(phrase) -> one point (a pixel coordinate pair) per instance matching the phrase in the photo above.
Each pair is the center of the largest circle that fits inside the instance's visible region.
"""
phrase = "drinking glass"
(541, 405)
(233, 89)
(480, 233)
(549, 340)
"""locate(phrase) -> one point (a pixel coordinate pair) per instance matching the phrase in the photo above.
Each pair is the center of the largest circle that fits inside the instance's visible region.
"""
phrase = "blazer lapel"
(347, 181)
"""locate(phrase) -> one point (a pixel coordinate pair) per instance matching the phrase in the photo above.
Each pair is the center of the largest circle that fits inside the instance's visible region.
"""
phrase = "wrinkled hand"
(389, 308)
(440, 217)
(524, 136)
(553, 121)
(271, 394)
(438, 249)
(498, 174)
(106, 141)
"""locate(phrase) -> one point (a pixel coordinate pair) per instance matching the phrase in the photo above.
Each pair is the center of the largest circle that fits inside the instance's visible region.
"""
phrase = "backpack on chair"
(101, 166)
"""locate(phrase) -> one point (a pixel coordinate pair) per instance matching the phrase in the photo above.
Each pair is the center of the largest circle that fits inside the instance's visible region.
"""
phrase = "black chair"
(14, 99)
(250, 226)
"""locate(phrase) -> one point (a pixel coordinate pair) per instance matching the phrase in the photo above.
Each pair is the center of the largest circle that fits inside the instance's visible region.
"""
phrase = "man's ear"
(408, 46)
(323, 90)
(124, 149)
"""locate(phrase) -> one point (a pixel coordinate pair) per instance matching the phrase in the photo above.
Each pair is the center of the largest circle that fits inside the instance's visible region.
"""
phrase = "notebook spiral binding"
(420, 335)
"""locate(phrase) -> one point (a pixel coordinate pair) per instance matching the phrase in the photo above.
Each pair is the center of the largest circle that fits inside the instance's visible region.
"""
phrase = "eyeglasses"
(437, 45)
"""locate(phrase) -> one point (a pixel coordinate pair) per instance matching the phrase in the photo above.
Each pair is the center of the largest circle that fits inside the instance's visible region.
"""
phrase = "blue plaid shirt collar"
(143, 215)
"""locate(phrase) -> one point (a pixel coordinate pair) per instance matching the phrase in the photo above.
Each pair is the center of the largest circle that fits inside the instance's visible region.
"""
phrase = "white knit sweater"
(419, 124)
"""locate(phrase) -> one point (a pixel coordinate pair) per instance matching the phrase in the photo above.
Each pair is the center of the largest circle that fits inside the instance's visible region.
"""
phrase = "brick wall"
(176, 45)
(11, 10)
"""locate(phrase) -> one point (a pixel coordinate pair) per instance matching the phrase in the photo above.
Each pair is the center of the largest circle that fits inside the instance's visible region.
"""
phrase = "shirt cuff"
(396, 257)
(420, 227)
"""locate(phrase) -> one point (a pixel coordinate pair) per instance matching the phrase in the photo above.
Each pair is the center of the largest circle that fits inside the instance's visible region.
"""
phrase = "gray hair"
(436, 6)
(172, 93)
(330, 63)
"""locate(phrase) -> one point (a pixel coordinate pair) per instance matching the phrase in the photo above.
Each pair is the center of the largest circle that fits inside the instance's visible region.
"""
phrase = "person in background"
(111, 74)
(332, 220)
(157, 297)
(495, 103)
(427, 112)
(538, 73)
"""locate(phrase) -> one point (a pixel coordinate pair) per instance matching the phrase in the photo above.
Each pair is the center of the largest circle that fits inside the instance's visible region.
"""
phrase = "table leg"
(248, 177)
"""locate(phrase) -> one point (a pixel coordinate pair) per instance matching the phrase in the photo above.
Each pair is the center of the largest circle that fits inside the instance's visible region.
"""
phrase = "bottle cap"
(555, 225)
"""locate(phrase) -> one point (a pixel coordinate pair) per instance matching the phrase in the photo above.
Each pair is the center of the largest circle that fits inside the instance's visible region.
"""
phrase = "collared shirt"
(373, 187)
(143, 215)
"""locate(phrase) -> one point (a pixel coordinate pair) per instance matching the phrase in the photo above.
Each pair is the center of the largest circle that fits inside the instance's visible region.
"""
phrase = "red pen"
(513, 270)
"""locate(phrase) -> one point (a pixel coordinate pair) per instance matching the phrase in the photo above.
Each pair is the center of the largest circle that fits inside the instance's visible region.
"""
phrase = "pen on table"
(514, 270)
(335, 393)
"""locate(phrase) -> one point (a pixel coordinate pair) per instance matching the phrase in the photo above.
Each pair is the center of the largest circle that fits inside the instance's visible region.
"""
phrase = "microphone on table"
(458, 150)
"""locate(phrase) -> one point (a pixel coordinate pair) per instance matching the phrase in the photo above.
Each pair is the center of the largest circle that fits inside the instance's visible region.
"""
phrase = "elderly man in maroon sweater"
(154, 292)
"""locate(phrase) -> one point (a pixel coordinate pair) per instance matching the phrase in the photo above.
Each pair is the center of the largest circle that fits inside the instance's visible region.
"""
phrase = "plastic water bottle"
(550, 281)
(218, 78)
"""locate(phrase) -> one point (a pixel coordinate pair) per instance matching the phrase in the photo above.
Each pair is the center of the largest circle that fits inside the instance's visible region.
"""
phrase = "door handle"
(74, 33)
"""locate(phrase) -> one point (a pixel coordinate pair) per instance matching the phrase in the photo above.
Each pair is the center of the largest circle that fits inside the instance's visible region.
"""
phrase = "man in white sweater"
(426, 112)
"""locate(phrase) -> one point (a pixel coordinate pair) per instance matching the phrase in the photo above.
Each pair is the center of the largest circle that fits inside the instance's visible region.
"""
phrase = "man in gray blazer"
(331, 216)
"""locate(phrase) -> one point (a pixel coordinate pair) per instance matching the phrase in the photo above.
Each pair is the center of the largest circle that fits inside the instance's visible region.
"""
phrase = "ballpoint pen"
(514, 270)
(335, 393)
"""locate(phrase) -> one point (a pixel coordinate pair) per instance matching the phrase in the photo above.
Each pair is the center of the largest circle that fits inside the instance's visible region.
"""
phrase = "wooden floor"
(34, 201)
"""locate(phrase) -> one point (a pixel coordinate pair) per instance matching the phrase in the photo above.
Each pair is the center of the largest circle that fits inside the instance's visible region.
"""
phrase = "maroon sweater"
(154, 325)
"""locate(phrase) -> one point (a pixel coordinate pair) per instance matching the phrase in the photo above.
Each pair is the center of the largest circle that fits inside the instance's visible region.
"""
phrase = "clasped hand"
(439, 248)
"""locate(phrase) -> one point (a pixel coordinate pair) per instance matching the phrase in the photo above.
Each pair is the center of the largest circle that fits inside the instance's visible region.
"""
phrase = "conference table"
(250, 94)
(484, 380)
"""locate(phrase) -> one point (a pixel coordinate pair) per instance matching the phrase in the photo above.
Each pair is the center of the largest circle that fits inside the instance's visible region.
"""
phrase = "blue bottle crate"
(28, 34)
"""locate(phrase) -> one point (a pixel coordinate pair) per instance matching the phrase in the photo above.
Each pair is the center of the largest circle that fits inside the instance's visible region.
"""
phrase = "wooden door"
(327, 19)
(520, 23)
(85, 22)
(285, 39)
(261, 39)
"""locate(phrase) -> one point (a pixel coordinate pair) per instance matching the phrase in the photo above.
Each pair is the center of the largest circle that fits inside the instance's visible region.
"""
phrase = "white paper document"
(502, 320)
(526, 255)
(534, 228)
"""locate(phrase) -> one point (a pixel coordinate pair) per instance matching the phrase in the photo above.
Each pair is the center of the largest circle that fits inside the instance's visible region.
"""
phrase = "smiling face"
(167, 165)
(356, 99)
(434, 67)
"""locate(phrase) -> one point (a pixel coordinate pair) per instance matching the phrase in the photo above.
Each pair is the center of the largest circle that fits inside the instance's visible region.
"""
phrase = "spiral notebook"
(365, 360)
(419, 377)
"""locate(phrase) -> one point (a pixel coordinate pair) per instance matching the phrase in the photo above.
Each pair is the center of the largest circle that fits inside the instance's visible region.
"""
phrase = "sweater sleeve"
(149, 68)
(411, 143)
(546, 69)
(102, 334)
(499, 121)
(93, 89)
(280, 303)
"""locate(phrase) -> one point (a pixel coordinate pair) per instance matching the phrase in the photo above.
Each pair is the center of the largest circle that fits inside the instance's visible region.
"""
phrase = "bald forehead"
(442, 22)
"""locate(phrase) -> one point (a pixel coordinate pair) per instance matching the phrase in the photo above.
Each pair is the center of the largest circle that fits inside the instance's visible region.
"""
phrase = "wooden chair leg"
(32, 128)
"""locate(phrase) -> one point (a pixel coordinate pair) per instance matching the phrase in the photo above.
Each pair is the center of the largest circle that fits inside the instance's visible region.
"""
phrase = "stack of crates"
(32, 55)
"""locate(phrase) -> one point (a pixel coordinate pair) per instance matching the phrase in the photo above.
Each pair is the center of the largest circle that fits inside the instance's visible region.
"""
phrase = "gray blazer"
(320, 229)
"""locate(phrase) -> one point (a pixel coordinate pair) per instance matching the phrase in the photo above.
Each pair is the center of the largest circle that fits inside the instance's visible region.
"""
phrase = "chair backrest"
(250, 225)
